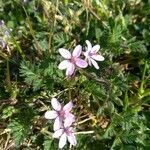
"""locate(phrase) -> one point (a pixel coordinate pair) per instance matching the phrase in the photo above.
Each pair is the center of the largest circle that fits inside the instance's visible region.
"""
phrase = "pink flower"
(92, 54)
(72, 60)
(64, 134)
(60, 114)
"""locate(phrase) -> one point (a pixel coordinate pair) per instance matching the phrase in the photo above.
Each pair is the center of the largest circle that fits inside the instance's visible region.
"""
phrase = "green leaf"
(48, 144)
(7, 112)
(32, 75)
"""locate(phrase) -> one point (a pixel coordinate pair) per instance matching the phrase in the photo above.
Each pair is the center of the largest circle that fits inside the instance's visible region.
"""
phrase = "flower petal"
(51, 114)
(63, 65)
(81, 63)
(72, 139)
(68, 107)
(70, 118)
(57, 123)
(70, 69)
(55, 104)
(62, 140)
(65, 53)
(89, 45)
(98, 57)
(94, 63)
(95, 49)
(58, 133)
(77, 51)
(86, 54)
(89, 62)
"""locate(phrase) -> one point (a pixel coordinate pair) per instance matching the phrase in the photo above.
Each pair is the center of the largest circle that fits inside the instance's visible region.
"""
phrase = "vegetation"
(111, 104)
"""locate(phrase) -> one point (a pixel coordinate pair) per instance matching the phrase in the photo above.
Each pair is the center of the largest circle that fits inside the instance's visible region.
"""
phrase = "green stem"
(8, 81)
(143, 81)
(115, 140)
(87, 22)
(37, 46)
(18, 46)
(52, 28)
(146, 93)
(69, 89)
(93, 77)
(126, 100)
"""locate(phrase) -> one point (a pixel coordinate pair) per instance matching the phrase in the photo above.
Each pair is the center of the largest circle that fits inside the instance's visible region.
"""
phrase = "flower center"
(67, 131)
(73, 60)
(61, 113)
(92, 53)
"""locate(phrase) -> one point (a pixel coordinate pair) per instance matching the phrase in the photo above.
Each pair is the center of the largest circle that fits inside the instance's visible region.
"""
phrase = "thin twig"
(7, 141)
(3, 56)
(85, 120)
(84, 132)
(83, 116)
(43, 105)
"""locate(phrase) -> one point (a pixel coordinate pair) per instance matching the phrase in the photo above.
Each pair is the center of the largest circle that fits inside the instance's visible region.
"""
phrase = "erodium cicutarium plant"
(64, 120)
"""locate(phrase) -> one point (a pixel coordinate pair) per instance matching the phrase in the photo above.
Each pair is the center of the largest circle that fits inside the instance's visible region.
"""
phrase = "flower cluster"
(73, 61)
(63, 118)
(63, 121)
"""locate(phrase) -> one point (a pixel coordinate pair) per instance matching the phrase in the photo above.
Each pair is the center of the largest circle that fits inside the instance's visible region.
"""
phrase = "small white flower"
(92, 55)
